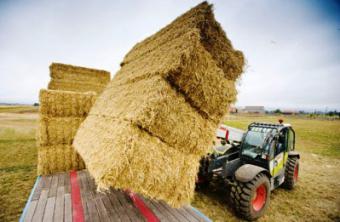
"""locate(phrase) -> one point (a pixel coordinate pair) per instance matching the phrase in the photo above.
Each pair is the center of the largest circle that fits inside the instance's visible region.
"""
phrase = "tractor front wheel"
(251, 199)
(291, 173)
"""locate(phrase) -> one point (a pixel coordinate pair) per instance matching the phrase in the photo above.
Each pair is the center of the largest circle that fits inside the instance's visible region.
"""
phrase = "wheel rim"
(296, 173)
(259, 198)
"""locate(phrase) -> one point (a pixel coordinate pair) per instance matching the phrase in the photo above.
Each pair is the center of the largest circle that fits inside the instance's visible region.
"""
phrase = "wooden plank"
(46, 182)
(119, 208)
(90, 190)
(92, 183)
(59, 205)
(103, 214)
(67, 208)
(174, 212)
(83, 191)
(163, 210)
(92, 209)
(39, 212)
(61, 179)
(30, 211)
(67, 184)
(90, 197)
(110, 209)
(154, 209)
(129, 208)
(37, 190)
(193, 213)
(49, 209)
(188, 215)
(54, 186)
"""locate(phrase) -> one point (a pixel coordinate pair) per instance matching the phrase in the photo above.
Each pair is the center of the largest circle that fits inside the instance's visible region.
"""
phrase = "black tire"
(243, 196)
(203, 177)
(203, 184)
(291, 173)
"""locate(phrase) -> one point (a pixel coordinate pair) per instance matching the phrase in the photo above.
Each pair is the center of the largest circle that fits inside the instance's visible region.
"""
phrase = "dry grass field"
(18, 157)
(316, 198)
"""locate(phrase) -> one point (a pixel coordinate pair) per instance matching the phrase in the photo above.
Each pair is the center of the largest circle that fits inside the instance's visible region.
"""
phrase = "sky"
(292, 47)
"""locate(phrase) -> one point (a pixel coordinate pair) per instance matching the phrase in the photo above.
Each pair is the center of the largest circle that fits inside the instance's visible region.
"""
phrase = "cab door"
(290, 143)
(280, 153)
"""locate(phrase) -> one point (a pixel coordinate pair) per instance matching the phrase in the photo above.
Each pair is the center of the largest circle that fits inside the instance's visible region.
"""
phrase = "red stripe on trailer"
(141, 206)
(77, 207)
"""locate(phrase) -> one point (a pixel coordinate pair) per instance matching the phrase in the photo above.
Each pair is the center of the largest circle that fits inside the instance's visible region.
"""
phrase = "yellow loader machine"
(253, 163)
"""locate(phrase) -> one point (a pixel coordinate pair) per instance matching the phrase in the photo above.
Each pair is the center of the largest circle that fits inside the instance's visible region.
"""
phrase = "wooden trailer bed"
(73, 197)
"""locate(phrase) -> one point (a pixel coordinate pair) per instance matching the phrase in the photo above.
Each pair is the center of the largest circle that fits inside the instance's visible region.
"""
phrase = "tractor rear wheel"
(251, 199)
(291, 173)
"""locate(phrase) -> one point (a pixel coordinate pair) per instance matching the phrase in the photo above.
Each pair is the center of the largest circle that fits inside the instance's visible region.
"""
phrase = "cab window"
(290, 140)
(282, 142)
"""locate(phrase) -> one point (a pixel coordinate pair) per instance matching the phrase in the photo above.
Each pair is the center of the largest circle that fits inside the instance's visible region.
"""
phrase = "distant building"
(289, 112)
(254, 109)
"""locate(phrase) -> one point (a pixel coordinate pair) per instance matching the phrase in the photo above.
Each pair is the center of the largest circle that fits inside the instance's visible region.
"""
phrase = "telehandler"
(252, 163)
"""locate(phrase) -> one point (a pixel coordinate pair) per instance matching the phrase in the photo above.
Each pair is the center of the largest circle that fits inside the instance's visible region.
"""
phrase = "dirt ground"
(316, 197)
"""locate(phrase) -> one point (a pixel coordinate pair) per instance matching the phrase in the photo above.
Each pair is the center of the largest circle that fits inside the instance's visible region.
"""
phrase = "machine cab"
(267, 146)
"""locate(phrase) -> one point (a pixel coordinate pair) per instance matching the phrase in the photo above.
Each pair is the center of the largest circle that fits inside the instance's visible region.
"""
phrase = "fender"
(293, 154)
(247, 172)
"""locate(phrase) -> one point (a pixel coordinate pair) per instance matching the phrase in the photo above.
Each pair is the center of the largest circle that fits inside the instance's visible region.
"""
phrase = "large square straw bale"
(77, 86)
(154, 106)
(58, 158)
(58, 130)
(76, 73)
(76, 78)
(56, 103)
(132, 158)
(212, 38)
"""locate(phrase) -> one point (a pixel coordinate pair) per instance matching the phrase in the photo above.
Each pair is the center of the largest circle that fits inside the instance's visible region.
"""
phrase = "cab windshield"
(256, 142)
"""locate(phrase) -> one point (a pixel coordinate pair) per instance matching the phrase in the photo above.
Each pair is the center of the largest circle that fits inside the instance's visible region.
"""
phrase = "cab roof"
(279, 127)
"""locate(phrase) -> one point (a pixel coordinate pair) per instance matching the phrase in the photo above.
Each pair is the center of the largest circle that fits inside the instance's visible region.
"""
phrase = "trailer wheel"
(251, 199)
(291, 173)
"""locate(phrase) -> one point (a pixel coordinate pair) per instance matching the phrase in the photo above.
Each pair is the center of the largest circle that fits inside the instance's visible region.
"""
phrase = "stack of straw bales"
(79, 79)
(61, 113)
(157, 117)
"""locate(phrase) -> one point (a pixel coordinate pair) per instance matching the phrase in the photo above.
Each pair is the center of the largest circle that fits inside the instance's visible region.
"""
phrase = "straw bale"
(150, 126)
(190, 69)
(156, 108)
(56, 103)
(77, 86)
(212, 37)
(131, 158)
(58, 130)
(76, 78)
(58, 158)
(76, 73)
